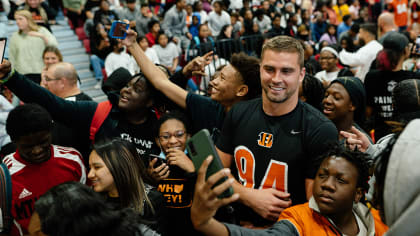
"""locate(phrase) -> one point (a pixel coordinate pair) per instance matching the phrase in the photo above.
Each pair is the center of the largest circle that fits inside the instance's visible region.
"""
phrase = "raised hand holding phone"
(119, 29)
(200, 146)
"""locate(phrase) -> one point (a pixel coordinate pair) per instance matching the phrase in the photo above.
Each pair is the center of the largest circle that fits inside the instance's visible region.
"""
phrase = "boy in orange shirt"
(334, 208)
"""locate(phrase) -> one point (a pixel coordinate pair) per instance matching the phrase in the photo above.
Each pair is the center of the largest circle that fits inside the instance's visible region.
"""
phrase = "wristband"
(8, 76)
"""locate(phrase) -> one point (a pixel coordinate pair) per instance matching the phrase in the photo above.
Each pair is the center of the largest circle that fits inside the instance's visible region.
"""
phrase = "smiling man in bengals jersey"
(271, 141)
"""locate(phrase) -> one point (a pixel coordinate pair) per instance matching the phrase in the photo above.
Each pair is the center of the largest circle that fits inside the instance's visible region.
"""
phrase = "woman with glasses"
(329, 63)
(174, 171)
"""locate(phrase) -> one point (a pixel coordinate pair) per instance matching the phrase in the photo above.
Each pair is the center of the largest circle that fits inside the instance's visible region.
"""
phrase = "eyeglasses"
(326, 58)
(49, 79)
(178, 134)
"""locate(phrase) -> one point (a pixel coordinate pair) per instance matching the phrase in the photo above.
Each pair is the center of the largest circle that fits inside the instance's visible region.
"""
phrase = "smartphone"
(2, 48)
(200, 146)
(159, 161)
(118, 30)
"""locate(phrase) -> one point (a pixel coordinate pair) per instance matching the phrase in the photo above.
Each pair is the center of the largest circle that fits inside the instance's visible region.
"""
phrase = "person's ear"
(242, 90)
(352, 107)
(359, 195)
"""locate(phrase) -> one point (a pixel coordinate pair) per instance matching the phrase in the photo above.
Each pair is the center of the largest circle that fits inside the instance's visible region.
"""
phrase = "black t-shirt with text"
(275, 152)
(205, 114)
(379, 86)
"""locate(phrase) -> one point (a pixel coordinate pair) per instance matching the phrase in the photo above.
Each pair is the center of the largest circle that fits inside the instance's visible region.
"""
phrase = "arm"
(268, 203)
(166, 25)
(157, 77)
(6, 6)
(206, 202)
(174, 65)
(153, 73)
(51, 13)
(351, 59)
(73, 114)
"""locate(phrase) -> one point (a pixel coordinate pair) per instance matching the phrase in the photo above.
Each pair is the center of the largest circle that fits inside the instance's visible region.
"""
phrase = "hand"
(175, 40)
(172, 69)
(197, 65)
(130, 38)
(268, 203)
(355, 138)
(35, 34)
(159, 173)
(205, 201)
(189, 36)
(178, 158)
(43, 74)
(5, 68)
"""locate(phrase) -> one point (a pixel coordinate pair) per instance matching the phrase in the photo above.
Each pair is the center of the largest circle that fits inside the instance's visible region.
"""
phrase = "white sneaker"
(98, 85)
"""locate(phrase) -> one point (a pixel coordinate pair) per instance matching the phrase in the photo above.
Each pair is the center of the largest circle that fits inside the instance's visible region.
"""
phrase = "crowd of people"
(312, 107)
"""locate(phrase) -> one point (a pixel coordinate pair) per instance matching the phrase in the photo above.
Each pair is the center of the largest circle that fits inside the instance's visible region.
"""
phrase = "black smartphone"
(118, 30)
(2, 48)
(159, 162)
(200, 146)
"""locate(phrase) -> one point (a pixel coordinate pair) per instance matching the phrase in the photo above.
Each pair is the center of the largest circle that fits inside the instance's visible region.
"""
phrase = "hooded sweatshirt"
(402, 185)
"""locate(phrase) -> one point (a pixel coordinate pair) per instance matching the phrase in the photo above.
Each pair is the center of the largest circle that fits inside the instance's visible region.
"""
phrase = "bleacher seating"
(74, 51)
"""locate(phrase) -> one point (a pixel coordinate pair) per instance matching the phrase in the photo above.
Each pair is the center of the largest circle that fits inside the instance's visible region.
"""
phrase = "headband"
(331, 50)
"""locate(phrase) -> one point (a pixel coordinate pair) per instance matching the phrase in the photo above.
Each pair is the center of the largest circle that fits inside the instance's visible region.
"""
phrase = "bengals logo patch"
(265, 140)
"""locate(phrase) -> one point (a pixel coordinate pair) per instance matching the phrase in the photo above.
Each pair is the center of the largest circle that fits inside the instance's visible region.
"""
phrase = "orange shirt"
(308, 221)
(400, 12)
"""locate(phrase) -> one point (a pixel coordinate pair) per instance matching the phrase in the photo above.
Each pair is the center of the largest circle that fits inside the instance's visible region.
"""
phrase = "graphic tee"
(275, 152)
(379, 86)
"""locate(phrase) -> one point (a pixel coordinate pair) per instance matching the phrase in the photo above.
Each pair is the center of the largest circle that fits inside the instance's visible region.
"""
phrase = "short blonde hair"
(31, 23)
(285, 44)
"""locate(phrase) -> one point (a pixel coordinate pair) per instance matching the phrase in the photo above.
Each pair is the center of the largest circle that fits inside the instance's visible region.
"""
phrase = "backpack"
(102, 111)
(6, 218)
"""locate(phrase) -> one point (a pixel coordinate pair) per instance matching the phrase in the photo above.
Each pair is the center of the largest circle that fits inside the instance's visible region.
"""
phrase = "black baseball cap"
(395, 41)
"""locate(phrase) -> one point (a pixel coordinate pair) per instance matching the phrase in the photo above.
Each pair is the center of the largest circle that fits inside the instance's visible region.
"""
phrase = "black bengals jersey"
(275, 152)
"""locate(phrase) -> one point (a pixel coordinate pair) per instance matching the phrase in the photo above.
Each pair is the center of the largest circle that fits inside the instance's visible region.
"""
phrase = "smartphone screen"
(2, 48)
(118, 30)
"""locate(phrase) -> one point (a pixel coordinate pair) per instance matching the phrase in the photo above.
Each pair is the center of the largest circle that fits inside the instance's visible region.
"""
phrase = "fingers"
(346, 134)
(207, 55)
(152, 162)
(354, 130)
(161, 167)
(280, 194)
(201, 176)
(163, 171)
(219, 189)
(199, 73)
(212, 180)
(166, 175)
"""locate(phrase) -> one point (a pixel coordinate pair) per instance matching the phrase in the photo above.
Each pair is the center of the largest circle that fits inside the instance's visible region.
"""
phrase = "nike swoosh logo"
(295, 132)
